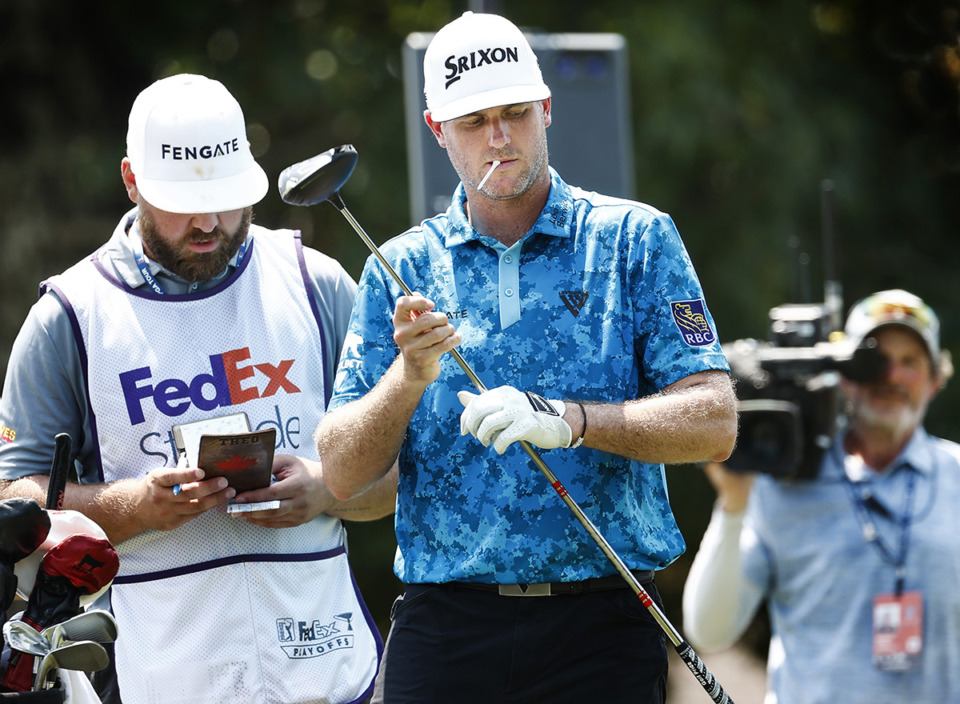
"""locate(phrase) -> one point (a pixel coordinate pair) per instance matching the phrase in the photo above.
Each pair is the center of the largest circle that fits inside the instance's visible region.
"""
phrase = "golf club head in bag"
(318, 178)
(24, 525)
(83, 655)
(77, 565)
(8, 587)
(25, 638)
(96, 624)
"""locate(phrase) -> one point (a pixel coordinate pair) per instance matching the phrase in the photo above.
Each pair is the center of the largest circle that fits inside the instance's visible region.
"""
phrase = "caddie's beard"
(184, 262)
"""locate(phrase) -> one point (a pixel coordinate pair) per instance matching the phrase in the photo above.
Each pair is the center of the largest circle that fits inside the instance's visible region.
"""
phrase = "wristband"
(583, 432)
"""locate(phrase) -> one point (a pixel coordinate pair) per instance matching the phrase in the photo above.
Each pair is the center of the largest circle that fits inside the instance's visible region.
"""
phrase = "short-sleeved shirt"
(805, 547)
(598, 302)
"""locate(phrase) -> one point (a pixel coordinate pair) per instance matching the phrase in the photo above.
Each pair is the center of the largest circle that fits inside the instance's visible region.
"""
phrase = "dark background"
(739, 110)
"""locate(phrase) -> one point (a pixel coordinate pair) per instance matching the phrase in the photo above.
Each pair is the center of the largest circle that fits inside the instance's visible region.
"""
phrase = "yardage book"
(245, 459)
(226, 446)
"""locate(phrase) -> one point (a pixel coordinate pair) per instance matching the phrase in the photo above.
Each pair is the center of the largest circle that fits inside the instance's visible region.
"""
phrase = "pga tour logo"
(691, 320)
(302, 640)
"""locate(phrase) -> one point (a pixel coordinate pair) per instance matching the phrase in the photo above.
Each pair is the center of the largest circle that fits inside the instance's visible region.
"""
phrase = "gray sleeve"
(43, 394)
(334, 291)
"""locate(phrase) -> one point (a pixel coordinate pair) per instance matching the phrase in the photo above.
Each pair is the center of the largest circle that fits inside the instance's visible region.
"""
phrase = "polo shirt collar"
(556, 218)
(918, 454)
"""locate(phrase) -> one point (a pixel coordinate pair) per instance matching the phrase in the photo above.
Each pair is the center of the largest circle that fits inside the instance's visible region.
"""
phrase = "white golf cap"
(187, 144)
(476, 62)
(895, 307)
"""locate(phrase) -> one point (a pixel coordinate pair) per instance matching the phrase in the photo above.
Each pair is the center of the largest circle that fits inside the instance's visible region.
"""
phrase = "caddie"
(190, 312)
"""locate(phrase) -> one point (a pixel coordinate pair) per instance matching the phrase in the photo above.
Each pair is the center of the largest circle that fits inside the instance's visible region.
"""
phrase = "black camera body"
(788, 388)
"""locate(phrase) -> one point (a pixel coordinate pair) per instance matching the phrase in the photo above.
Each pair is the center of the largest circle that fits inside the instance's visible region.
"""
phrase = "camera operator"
(859, 565)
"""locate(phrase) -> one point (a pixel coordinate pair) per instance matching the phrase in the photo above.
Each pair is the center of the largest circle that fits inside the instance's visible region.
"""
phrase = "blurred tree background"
(740, 111)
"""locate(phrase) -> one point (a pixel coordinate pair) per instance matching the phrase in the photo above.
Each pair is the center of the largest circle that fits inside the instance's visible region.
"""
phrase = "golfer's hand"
(505, 415)
(422, 336)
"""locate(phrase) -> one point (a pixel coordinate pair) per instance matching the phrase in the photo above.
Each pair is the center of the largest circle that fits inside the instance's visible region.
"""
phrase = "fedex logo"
(229, 380)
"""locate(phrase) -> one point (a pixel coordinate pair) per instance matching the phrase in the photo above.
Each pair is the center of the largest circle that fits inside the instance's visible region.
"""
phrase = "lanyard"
(142, 263)
(862, 501)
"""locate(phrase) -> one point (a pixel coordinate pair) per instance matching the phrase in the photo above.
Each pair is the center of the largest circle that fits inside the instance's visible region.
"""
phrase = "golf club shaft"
(686, 653)
(406, 289)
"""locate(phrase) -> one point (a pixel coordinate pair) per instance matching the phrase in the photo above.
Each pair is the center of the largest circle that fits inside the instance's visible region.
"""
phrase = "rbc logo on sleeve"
(691, 320)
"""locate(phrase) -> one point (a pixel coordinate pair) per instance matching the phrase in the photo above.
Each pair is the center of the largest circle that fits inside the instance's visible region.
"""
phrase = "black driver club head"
(318, 178)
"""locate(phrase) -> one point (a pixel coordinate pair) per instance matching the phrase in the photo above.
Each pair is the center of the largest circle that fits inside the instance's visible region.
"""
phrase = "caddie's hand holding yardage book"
(238, 458)
(245, 459)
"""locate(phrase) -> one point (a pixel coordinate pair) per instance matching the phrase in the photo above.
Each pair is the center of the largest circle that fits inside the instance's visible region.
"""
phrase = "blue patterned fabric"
(598, 302)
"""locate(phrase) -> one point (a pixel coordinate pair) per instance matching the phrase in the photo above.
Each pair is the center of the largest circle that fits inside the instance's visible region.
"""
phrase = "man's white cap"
(187, 144)
(476, 62)
(895, 307)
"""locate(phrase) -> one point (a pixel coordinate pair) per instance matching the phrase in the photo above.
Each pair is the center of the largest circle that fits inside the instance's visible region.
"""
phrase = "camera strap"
(864, 501)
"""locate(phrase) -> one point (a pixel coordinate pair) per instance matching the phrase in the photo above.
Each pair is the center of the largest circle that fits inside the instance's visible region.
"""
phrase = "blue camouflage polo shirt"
(598, 302)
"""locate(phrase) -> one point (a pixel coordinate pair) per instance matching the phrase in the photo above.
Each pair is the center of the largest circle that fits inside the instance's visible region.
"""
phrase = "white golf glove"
(505, 415)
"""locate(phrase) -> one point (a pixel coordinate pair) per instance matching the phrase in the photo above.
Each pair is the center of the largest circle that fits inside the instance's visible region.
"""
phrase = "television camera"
(788, 388)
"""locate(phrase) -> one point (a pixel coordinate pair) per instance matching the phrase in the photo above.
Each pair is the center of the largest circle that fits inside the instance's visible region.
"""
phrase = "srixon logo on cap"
(206, 151)
(458, 65)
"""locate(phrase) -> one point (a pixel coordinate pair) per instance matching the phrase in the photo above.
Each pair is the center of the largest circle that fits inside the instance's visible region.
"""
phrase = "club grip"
(63, 448)
(703, 675)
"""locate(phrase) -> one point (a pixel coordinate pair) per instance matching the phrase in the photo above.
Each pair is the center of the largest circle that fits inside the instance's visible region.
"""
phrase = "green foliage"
(740, 111)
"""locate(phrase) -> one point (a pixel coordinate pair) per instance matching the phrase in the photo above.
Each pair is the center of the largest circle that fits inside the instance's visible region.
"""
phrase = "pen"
(181, 464)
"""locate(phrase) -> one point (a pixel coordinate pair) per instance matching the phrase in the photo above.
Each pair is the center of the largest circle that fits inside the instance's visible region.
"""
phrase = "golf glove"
(505, 415)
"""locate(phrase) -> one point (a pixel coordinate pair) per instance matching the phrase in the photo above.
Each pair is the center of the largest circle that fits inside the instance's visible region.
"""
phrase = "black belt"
(596, 584)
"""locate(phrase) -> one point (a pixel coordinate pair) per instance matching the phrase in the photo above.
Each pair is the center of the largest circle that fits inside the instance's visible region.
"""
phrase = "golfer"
(585, 317)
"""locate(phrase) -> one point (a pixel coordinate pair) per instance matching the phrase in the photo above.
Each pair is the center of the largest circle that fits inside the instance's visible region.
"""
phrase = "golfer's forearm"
(359, 442)
(692, 422)
(376, 502)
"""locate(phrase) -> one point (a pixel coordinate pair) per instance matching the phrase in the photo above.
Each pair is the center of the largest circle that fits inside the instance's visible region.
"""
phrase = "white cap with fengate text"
(476, 62)
(188, 149)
